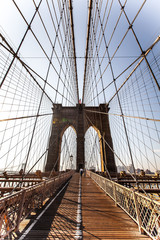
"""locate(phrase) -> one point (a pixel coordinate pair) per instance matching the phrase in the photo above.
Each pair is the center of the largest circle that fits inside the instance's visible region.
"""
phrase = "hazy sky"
(146, 27)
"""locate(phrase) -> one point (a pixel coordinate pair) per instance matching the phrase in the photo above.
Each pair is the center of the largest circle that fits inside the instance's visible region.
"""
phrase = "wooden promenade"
(101, 219)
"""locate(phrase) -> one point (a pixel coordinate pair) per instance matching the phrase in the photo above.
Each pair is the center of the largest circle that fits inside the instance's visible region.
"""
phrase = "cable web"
(122, 70)
(37, 69)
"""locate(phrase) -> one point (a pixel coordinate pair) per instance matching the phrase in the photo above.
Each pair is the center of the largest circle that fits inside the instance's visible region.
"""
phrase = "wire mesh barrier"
(17, 206)
(13, 183)
(143, 210)
(9, 185)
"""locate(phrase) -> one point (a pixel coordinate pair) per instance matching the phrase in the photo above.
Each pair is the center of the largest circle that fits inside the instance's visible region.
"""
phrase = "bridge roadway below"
(81, 211)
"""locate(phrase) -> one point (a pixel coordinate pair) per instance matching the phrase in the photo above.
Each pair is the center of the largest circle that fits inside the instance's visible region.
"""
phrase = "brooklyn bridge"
(79, 119)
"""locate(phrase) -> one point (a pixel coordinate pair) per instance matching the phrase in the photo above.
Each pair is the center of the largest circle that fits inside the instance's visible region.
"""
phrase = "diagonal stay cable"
(34, 35)
(23, 64)
(132, 175)
(122, 115)
(16, 53)
(29, 70)
(136, 38)
(74, 50)
(138, 64)
(87, 47)
(23, 117)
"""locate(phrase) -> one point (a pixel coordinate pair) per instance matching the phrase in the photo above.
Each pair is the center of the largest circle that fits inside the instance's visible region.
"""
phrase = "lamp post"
(23, 166)
(71, 159)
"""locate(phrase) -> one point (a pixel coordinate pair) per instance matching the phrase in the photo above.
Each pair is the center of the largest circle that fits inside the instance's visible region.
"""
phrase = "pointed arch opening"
(93, 150)
(68, 152)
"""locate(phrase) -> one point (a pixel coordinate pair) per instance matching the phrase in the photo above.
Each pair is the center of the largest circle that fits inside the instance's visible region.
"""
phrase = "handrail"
(17, 206)
(143, 210)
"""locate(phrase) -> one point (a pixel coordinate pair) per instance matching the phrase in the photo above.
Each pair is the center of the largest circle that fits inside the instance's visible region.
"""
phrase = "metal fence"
(143, 210)
(17, 206)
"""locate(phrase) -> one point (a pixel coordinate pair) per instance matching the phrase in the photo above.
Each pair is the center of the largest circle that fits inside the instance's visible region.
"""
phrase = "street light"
(71, 159)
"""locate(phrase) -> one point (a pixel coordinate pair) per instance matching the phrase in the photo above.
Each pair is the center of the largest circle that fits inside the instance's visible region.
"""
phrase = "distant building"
(130, 168)
(138, 170)
(121, 168)
(149, 172)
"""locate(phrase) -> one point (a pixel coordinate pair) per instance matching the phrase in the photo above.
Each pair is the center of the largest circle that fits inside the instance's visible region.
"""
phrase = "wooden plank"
(59, 220)
(102, 219)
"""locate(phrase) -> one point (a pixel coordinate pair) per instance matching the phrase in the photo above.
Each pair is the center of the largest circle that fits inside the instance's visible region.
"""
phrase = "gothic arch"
(81, 118)
(63, 118)
(61, 143)
(100, 145)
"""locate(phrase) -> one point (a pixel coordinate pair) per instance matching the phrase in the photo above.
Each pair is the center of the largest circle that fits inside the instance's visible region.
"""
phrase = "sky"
(13, 26)
(80, 15)
(146, 26)
(11, 22)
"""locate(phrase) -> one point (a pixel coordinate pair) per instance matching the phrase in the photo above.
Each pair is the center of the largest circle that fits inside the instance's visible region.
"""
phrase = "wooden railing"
(17, 206)
(143, 210)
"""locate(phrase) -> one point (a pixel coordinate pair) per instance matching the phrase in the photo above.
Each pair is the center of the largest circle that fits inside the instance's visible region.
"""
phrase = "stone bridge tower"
(80, 118)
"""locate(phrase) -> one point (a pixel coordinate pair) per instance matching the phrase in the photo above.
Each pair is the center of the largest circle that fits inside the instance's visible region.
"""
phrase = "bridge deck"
(100, 218)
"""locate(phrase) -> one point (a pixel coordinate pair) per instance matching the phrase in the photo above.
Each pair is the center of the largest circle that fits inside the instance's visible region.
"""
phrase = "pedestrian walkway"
(102, 219)
(59, 220)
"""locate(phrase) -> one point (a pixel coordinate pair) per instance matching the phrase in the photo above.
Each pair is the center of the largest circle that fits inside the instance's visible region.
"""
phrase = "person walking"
(81, 172)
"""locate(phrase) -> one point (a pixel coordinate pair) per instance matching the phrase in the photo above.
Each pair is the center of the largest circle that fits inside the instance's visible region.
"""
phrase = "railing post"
(43, 194)
(19, 213)
(3, 216)
(105, 186)
(114, 194)
(53, 186)
(137, 212)
(158, 228)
